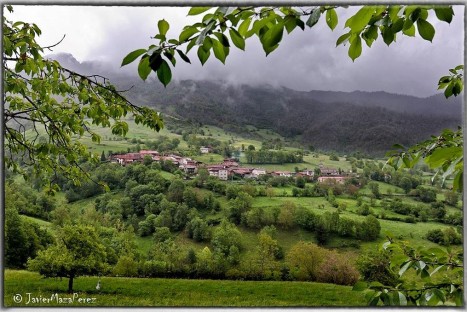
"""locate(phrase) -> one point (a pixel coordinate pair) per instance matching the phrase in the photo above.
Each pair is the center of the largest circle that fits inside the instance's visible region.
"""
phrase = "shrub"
(369, 229)
(427, 195)
(162, 234)
(304, 260)
(451, 198)
(454, 218)
(225, 236)
(198, 229)
(451, 237)
(126, 266)
(337, 269)
(364, 210)
(346, 227)
(438, 210)
(375, 267)
(436, 236)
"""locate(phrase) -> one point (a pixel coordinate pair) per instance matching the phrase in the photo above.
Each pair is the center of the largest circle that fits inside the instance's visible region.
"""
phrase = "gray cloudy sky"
(306, 60)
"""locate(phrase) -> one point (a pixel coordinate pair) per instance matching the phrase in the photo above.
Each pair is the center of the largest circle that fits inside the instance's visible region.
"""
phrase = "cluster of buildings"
(228, 168)
(188, 165)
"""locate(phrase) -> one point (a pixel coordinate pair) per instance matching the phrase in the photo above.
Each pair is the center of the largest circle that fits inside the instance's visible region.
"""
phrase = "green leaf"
(220, 51)
(374, 301)
(155, 61)
(388, 35)
(444, 14)
(458, 86)
(183, 56)
(268, 50)
(415, 15)
(164, 73)
(237, 39)
(361, 18)
(222, 39)
(207, 44)
(448, 91)
(343, 38)
(440, 294)
(187, 33)
(300, 24)
(402, 299)
(203, 55)
(290, 22)
(405, 267)
(398, 25)
(424, 274)
(143, 67)
(273, 36)
(425, 29)
(376, 284)
(355, 49)
(359, 286)
(163, 27)
(132, 56)
(459, 297)
(204, 32)
(409, 31)
(243, 28)
(441, 155)
(331, 18)
(370, 35)
(398, 146)
(314, 18)
(198, 10)
(437, 269)
(169, 54)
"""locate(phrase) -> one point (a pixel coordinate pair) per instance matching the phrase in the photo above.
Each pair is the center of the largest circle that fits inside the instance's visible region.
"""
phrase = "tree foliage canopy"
(43, 97)
(77, 252)
(223, 27)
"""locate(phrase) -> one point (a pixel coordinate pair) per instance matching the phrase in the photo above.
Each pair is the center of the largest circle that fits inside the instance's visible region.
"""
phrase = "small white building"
(255, 173)
(204, 150)
(223, 174)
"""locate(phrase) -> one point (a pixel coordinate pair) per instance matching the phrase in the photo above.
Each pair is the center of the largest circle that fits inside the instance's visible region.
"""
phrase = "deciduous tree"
(76, 252)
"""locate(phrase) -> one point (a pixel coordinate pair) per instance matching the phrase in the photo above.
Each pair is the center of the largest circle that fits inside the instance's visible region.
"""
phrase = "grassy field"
(176, 292)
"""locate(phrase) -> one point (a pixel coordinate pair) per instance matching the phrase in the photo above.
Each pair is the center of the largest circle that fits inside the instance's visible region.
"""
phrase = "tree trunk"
(70, 285)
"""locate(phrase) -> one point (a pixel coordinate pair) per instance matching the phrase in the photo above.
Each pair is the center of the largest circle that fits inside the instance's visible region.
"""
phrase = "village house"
(223, 174)
(205, 149)
(255, 173)
(223, 170)
(189, 168)
(286, 174)
(214, 170)
(148, 152)
(337, 178)
(328, 171)
(306, 174)
(125, 159)
(229, 162)
(241, 172)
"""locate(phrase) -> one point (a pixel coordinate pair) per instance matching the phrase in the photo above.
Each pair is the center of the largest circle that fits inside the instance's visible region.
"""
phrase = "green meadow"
(158, 292)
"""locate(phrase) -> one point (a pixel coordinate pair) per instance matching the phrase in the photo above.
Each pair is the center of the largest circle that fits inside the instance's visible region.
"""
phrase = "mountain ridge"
(330, 120)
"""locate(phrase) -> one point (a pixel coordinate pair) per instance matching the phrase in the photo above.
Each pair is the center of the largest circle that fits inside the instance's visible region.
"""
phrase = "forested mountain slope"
(330, 120)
